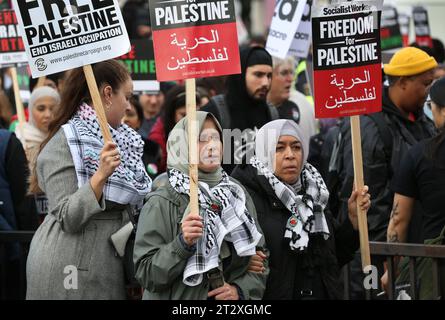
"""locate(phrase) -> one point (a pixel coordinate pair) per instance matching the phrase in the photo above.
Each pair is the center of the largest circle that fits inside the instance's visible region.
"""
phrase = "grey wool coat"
(74, 237)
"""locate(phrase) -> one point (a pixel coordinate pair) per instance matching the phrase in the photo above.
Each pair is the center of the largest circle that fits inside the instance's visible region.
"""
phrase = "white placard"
(146, 86)
(302, 38)
(284, 25)
(404, 22)
(66, 34)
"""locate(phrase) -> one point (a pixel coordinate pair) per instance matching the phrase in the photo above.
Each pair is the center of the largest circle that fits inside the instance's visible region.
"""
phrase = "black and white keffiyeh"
(129, 183)
(306, 209)
(225, 217)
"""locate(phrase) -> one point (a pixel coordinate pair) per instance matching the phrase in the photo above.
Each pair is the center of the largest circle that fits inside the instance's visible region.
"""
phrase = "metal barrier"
(413, 251)
(13, 273)
(388, 250)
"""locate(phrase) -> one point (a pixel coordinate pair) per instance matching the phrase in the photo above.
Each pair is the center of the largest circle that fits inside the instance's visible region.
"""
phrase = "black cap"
(258, 55)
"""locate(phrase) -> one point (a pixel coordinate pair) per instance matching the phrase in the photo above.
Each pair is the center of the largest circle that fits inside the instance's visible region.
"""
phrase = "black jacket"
(295, 275)
(17, 173)
(377, 170)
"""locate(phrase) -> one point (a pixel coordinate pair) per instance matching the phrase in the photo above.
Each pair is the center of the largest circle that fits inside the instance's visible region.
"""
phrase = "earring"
(109, 104)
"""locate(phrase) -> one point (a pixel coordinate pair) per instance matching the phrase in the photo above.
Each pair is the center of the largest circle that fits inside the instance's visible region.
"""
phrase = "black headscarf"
(437, 92)
(245, 111)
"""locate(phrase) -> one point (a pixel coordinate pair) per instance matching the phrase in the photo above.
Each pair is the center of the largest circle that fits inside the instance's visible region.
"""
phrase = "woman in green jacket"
(180, 254)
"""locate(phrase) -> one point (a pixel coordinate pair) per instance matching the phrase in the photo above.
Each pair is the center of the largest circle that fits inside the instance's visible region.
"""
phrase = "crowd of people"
(277, 215)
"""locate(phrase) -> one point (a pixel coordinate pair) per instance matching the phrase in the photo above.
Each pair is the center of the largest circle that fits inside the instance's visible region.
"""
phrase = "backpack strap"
(386, 135)
(334, 159)
(223, 110)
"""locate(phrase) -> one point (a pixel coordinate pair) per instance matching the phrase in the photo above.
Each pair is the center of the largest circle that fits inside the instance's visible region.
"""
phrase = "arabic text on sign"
(217, 55)
(344, 86)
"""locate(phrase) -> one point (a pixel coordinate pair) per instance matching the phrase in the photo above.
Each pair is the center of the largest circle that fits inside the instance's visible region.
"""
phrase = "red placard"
(196, 52)
(348, 91)
(194, 39)
(347, 60)
(390, 34)
(12, 49)
(424, 41)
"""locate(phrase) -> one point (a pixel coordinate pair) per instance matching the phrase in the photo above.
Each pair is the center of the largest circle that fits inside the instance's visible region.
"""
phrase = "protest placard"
(390, 29)
(12, 49)
(347, 61)
(302, 38)
(284, 25)
(23, 75)
(18, 102)
(422, 27)
(59, 36)
(194, 39)
(348, 77)
(140, 62)
(404, 22)
(12, 53)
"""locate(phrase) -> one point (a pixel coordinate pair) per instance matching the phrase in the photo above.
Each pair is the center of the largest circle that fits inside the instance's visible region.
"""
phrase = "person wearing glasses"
(279, 94)
(288, 102)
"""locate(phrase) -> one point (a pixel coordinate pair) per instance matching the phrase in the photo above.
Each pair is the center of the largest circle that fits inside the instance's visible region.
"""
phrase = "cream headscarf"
(178, 148)
(32, 136)
(40, 93)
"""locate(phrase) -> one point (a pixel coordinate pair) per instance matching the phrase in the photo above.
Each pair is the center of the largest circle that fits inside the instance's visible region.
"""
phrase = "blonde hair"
(288, 61)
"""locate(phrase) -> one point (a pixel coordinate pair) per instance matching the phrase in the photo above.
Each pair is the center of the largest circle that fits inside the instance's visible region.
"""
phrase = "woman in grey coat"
(90, 186)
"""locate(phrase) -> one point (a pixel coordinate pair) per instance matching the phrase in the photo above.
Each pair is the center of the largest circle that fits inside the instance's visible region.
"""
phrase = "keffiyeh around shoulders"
(129, 183)
(225, 217)
(306, 207)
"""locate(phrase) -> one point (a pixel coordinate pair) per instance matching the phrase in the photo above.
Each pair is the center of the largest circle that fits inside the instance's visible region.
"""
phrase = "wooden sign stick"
(97, 102)
(190, 87)
(18, 102)
(359, 183)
